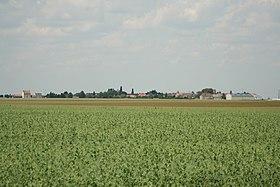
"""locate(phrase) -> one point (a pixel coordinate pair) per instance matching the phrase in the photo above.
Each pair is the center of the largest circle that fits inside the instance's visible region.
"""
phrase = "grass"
(52, 144)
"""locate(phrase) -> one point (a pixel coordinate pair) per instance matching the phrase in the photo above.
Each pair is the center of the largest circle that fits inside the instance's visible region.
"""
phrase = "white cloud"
(31, 29)
(113, 40)
(68, 8)
(161, 15)
(246, 19)
(176, 12)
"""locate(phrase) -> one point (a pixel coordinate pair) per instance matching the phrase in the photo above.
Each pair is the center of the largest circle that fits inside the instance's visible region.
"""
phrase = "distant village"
(204, 94)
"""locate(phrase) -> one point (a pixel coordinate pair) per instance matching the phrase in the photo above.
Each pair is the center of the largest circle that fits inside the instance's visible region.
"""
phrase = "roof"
(206, 94)
(242, 95)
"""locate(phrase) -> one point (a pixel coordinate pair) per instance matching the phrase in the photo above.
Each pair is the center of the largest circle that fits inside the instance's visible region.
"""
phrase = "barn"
(240, 96)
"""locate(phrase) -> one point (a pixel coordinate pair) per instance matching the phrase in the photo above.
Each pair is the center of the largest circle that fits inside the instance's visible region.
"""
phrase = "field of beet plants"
(128, 146)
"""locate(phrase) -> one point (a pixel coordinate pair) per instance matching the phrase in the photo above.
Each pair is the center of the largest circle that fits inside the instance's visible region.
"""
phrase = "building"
(131, 95)
(26, 94)
(218, 96)
(183, 95)
(16, 96)
(205, 96)
(142, 95)
(171, 95)
(256, 96)
(240, 96)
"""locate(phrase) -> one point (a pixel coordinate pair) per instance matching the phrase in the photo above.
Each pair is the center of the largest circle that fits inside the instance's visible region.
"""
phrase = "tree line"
(112, 93)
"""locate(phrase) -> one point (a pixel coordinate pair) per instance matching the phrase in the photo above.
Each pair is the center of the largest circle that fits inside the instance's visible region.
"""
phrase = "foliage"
(62, 145)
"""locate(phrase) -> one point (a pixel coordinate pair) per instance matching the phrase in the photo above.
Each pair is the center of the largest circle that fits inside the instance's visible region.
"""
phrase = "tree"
(155, 94)
(208, 90)
(51, 95)
(82, 94)
(70, 95)
(132, 91)
(8, 96)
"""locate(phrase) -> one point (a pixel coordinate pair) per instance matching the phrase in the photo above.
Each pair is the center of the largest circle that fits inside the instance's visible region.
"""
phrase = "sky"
(167, 45)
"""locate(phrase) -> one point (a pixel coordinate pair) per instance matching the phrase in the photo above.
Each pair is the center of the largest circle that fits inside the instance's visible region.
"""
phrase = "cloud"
(249, 18)
(178, 14)
(67, 8)
(161, 15)
(113, 40)
(33, 29)
(29, 28)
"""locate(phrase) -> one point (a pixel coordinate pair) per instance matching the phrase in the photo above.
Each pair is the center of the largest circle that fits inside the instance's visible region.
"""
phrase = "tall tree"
(121, 90)
(82, 94)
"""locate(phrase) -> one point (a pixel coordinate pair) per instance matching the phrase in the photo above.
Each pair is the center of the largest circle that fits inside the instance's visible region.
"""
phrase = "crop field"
(52, 144)
(140, 102)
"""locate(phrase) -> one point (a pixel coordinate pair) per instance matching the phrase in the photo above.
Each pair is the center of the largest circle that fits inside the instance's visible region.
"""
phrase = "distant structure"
(26, 94)
(181, 95)
(38, 95)
(16, 96)
(240, 96)
(121, 90)
(218, 96)
(256, 96)
(142, 95)
(131, 96)
(206, 96)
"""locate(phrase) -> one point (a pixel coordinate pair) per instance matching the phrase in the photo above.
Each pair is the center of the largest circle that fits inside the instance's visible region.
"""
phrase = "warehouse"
(240, 96)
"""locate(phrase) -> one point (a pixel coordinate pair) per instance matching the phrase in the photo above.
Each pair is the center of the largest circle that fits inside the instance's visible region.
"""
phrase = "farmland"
(59, 142)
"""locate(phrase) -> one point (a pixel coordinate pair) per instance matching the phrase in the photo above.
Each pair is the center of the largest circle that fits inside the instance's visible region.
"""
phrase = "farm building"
(240, 96)
(142, 95)
(131, 95)
(218, 96)
(204, 96)
(16, 96)
(26, 94)
(183, 95)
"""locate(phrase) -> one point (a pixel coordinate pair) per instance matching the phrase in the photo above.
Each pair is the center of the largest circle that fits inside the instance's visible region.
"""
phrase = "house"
(171, 95)
(205, 96)
(131, 95)
(142, 95)
(257, 97)
(183, 95)
(240, 96)
(26, 94)
(16, 96)
(218, 96)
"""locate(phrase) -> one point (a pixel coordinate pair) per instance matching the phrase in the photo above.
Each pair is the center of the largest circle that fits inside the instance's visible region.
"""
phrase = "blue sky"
(168, 45)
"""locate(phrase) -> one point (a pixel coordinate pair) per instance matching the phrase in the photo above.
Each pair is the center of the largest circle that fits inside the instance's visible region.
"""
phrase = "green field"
(82, 144)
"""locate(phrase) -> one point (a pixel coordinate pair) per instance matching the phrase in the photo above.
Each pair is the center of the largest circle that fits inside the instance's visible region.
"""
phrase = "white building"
(206, 96)
(240, 96)
(218, 96)
(183, 95)
(26, 94)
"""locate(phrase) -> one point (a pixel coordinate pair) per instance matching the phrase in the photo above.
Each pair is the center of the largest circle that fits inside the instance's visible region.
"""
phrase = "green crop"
(52, 145)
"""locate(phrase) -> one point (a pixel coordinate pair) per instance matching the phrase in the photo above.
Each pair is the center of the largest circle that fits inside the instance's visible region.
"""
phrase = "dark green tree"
(121, 90)
(82, 94)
